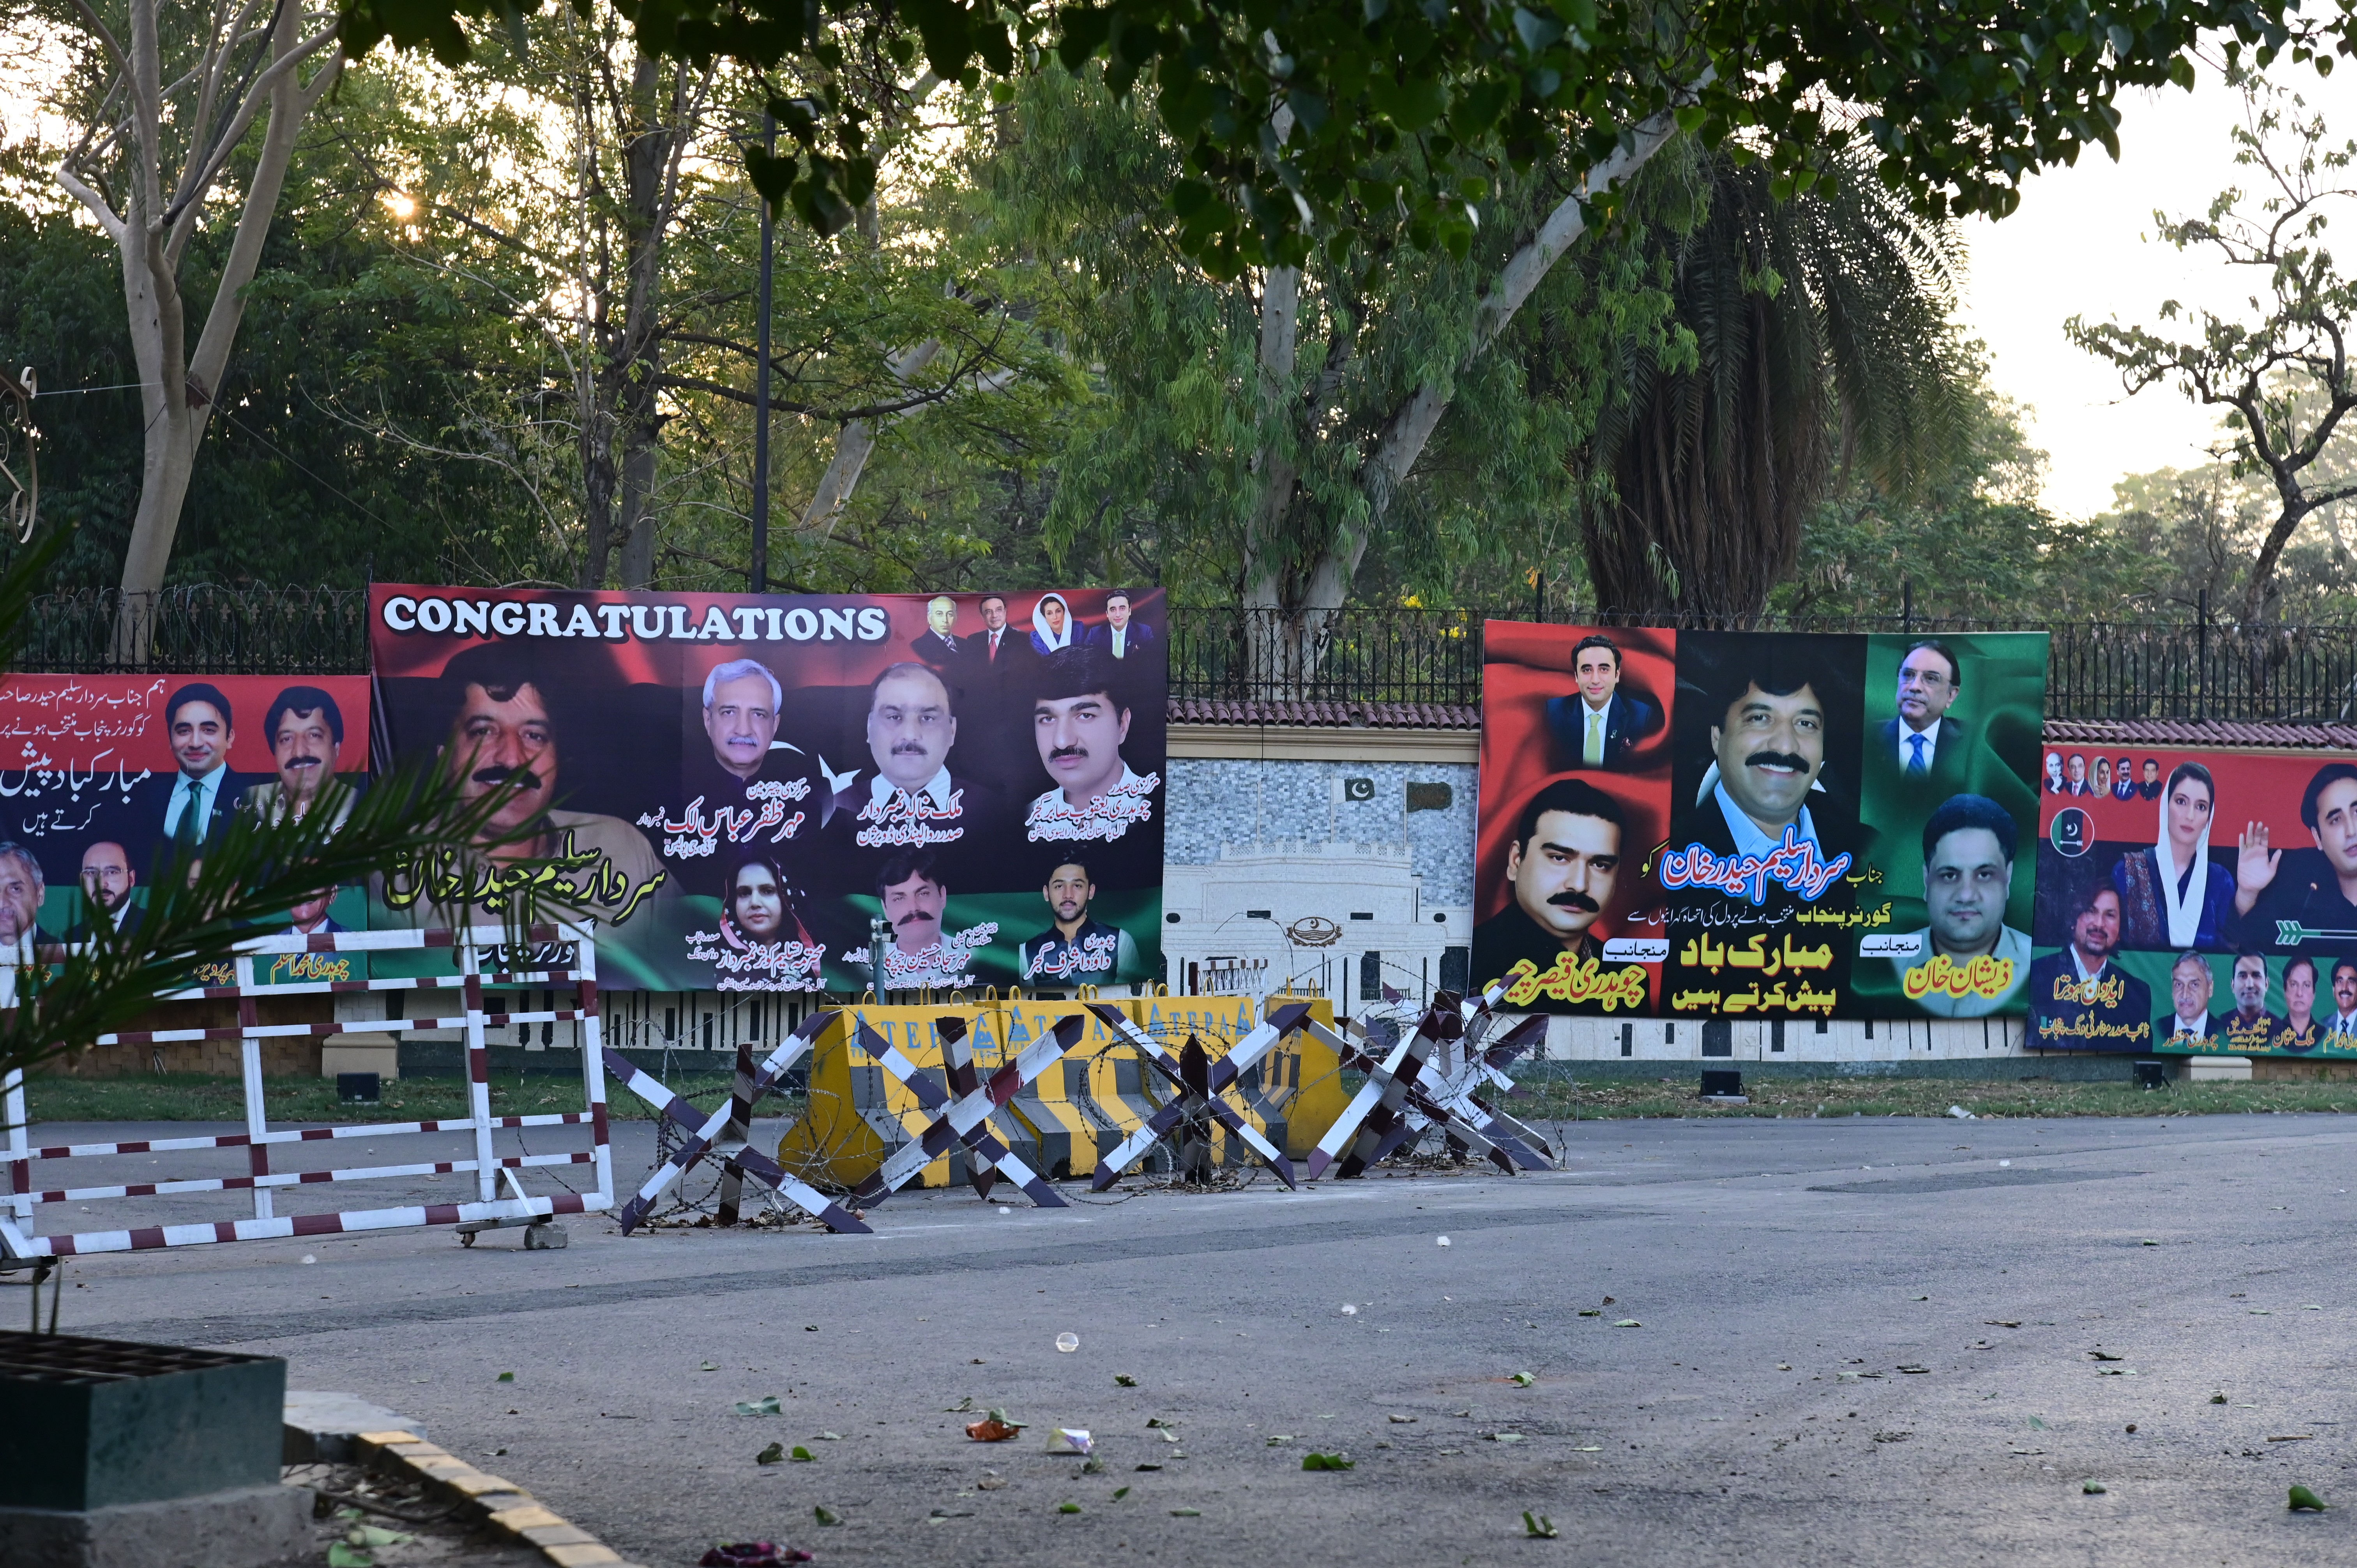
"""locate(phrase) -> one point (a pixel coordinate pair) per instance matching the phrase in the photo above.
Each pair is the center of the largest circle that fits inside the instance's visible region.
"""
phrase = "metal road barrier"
(20, 1234)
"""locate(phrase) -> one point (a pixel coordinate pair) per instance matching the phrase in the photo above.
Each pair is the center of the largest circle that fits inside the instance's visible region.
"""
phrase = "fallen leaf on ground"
(1068, 1508)
(1399, 1420)
(802, 1455)
(2304, 1500)
(1505, 1437)
(504, 1378)
(708, 1367)
(1119, 1493)
(342, 1556)
(825, 1515)
(1627, 1323)
(1185, 1513)
(992, 1430)
(991, 1481)
(2093, 1488)
(771, 1454)
(1124, 1380)
(1538, 1527)
(2297, 1437)
(2105, 1356)
(766, 1405)
(1327, 1462)
(1521, 1380)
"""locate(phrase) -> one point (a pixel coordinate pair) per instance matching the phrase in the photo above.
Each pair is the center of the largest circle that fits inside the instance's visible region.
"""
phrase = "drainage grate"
(69, 1358)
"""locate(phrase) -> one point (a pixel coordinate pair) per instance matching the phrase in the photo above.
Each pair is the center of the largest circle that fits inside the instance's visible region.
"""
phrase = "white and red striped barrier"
(20, 1236)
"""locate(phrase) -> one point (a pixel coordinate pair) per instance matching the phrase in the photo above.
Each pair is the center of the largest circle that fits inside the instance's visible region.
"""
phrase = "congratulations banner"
(2198, 903)
(109, 783)
(739, 786)
(1757, 825)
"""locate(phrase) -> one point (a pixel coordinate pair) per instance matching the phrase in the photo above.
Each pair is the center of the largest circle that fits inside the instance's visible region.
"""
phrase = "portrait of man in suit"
(1563, 869)
(1598, 725)
(2079, 999)
(310, 919)
(185, 812)
(2076, 770)
(1121, 635)
(909, 798)
(1922, 735)
(306, 736)
(937, 645)
(108, 880)
(2189, 987)
(1767, 730)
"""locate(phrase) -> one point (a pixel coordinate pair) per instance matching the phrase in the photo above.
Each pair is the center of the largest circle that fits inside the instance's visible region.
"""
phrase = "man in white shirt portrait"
(1078, 723)
(2190, 986)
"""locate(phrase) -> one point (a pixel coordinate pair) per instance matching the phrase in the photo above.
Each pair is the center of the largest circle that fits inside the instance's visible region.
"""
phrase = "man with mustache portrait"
(1562, 870)
(506, 729)
(913, 896)
(1078, 725)
(908, 798)
(1773, 723)
(306, 734)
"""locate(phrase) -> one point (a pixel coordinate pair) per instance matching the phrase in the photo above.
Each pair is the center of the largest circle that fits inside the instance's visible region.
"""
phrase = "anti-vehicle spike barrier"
(21, 1237)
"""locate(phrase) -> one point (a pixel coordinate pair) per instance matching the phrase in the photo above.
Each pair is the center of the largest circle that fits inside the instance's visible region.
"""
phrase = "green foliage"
(1222, 472)
(1809, 336)
(2278, 374)
(1424, 109)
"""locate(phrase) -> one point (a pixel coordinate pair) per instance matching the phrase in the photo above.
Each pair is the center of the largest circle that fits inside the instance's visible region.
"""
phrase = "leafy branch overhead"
(2283, 377)
(1303, 122)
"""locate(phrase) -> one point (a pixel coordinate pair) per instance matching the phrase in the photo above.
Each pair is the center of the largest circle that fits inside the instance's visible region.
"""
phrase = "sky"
(2082, 243)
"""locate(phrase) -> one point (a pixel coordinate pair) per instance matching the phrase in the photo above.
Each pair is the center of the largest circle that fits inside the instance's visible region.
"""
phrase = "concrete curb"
(504, 1506)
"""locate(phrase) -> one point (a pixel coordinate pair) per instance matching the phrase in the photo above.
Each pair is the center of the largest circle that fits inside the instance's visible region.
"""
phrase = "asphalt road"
(1783, 1278)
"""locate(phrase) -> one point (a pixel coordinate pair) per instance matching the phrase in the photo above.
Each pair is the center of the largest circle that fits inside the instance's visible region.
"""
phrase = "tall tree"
(2280, 372)
(166, 94)
(1811, 339)
(1418, 111)
(1281, 427)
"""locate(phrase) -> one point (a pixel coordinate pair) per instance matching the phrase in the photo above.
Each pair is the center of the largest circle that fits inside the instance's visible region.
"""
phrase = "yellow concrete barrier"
(1070, 1115)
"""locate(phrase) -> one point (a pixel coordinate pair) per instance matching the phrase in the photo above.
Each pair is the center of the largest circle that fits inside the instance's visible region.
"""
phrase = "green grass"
(1553, 1100)
(187, 1097)
(190, 1097)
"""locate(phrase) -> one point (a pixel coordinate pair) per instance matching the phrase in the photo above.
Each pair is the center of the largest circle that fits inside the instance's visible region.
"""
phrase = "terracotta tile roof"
(1327, 715)
(2198, 733)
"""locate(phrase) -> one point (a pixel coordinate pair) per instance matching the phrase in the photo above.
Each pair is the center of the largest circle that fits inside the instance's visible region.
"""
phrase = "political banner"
(1757, 825)
(2196, 902)
(109, 783)
(739, 788)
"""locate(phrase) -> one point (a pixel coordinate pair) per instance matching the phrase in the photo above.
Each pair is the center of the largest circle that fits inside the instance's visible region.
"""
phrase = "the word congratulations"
(642, 622)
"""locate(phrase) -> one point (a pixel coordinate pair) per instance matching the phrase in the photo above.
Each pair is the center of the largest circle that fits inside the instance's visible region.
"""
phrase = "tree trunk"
(1301, 599)
(177, 393)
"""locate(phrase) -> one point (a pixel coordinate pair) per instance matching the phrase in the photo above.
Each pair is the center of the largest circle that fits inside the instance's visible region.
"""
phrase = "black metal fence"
(2122, 670)
(2142, 669)
(208, 629)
